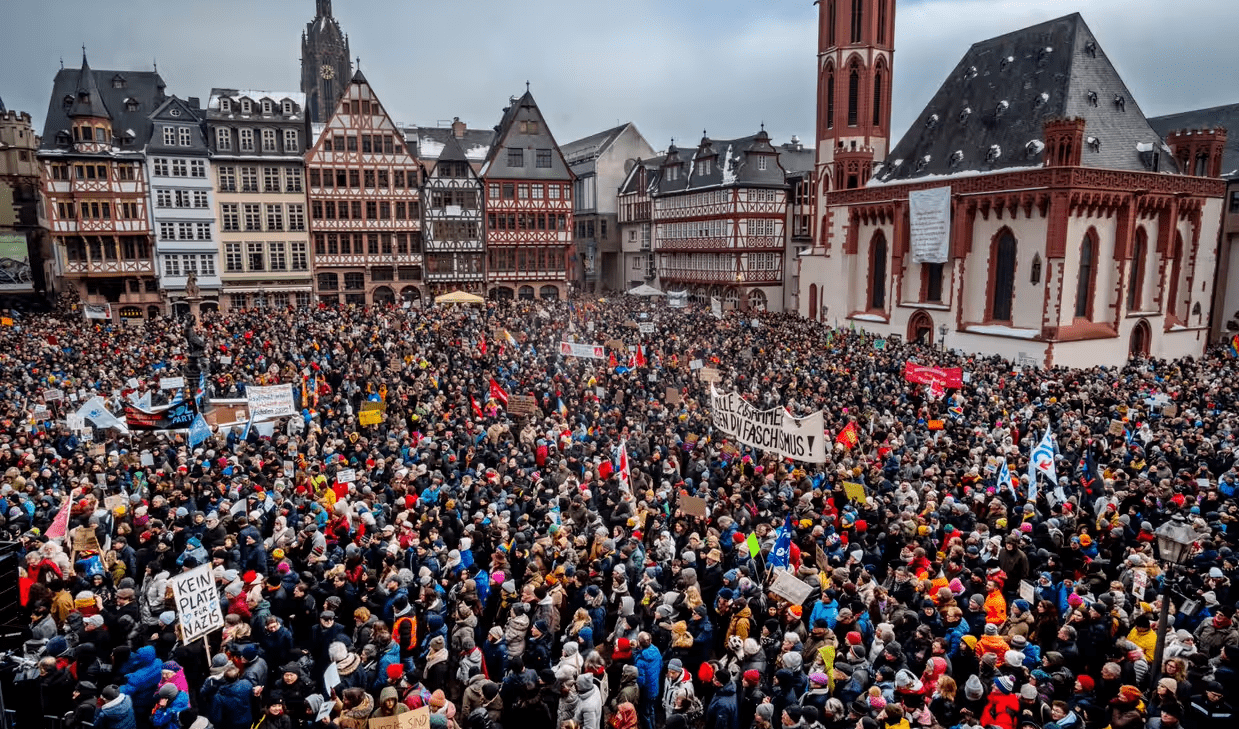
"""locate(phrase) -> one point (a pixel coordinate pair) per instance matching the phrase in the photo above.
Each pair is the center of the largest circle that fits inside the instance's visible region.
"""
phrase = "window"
(352, 143)
(233, 262)
(853, 96)
(275, 217)
(877, 99)
(544, 158)
(761, 163)
(202, 231)
(354, 281)
(169, 136)
(266, 106)
(253, 216)
(185, 231)
(197, 168)
(1084, 284)
(300, 259)
(268, 140)
(247, 106)
(163, 198)
(761, 227)
(230, 217)
(172, 265)
(182, 198)
(328, 281)
(237, 302)
(227, 179)
(167, 231)
(184, 136)
(287, 107)
(509, 191)
(1135, 283)
(303, 299)
(933, 284)
(255, 259)
(271, 179)
(858, 19)
(293, 180)
(225, 105)
(249, 179)
(247, 140)
(1003, 286)
(279, 300)
(161, 167)
(200, 199)
(292, 144)
(1234, 202)
(516, 158)
(296, 216)
(882, 22)
(126, 173)
(276, 256)
(552, 192)
(179, 168)
(877, 272)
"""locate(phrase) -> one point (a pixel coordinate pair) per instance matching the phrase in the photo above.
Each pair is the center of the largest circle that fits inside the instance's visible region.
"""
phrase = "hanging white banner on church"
(929, 212)
(275, 401)
(801, 439)
(587, 351)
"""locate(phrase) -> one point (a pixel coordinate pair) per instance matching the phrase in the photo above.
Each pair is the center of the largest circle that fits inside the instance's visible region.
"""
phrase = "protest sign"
(716, 307)
(385, 722)
(696, 364)
(855, 491)
(117, 501)
(275, 401)
(418, 718)
(197, 603)
(1117, 427)
(693, 506)
(370, 417)
(1028, 591)
(929, 214)
(936, 425)
(944, 376)
(775, 430)
(673, 396)
(646, 327)
(346, 475)
(585, 351)
(171, 383)
(331, 677)
(709, 374)
(53, 394)
(789, 588)
(522, 405)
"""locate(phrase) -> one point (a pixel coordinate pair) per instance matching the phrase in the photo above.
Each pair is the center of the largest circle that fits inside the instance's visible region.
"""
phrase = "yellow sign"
(6, 321)
(370, 417)
(855, 491)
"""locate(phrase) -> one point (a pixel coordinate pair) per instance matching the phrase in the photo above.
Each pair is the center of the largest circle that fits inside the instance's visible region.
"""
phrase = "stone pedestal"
(195, 307)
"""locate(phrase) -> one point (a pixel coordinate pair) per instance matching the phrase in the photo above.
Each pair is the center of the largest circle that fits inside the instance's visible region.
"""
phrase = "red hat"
(853, 638)
(752, 676)
(737, 537)
(249, 577)
(706, 672)
(1086, 682)
(394, 671)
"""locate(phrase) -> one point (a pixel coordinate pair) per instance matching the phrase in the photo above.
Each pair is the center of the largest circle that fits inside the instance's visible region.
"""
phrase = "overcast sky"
(674, 67)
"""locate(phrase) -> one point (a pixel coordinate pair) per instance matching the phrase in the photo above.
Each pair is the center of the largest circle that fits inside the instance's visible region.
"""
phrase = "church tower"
(326, 64)
(856, 46)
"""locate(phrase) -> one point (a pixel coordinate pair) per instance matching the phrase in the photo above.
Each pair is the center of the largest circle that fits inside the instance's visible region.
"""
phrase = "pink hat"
(1074, 600)
(497, 578)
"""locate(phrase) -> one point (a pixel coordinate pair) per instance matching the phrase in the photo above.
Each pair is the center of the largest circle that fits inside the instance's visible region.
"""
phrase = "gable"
(524, 129)
(357, 115)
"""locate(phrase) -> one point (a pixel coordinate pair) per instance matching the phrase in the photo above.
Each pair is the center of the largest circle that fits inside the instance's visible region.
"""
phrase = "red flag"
(623, 471)
(848, 436)
(476, 410)
(497, 393)
(482, 345)
(613, 363)
(632, 361)
(640, 356)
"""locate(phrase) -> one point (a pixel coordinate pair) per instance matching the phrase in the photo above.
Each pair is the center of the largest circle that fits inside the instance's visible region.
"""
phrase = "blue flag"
(1004, 479)
(781, 555)
(198, 431)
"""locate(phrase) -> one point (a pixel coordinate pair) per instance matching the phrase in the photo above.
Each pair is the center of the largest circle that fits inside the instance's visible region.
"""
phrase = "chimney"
(195, 102)
(458, 128)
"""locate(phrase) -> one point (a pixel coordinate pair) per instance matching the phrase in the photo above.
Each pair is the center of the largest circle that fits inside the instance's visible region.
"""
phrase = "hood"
(388, 692)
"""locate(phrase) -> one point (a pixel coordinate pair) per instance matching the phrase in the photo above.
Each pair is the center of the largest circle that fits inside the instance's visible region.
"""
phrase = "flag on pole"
(1042, 460)
(623, 470)
(198, 431)
(1004, 479)
(508, 336)
(781, 555)
(482, 345)
(640, 356)
(563, 409)
(245, 434)
(60, 525)
(753, 545)
(848, 436)
(476, 410)
(498, 393)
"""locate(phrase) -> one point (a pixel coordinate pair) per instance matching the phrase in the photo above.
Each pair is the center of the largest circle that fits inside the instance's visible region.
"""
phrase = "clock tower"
(326, 65)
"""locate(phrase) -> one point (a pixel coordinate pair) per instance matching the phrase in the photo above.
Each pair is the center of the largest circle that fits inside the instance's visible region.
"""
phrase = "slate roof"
(505, 133)
(144, 87)
(733, 162)
(433, 143)
(652, 166)
(1226, 117)
(988, 114)
(87, 100)
(580, 153)
(256, 95)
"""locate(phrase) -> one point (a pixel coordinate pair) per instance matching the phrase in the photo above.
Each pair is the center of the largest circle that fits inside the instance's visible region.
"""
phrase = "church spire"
(326, 64)
(324, 8)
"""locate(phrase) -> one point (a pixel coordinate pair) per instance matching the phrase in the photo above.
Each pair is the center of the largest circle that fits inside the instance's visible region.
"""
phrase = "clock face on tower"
(327, 72)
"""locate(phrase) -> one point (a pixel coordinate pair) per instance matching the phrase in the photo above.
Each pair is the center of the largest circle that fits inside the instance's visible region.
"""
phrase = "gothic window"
(877, 272)
(853, 96)
(1088, 270)
(1135, 284)
(933, 284)
(830, 99)
(831, 15)
(882, 21)
(858, 19)
(877, 98)
(1003, 286)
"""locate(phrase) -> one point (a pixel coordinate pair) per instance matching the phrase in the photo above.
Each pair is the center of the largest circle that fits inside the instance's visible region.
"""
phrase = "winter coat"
(1002, 710)
(168, 717)
(116, 714)
(142, 673)
(229, 704)
(723, 712)
(588, 713)
(515, 632)
(649, 670)
(357, 717)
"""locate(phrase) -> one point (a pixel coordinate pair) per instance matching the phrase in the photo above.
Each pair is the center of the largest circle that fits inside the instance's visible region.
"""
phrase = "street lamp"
(1174, 541)
(942, 336)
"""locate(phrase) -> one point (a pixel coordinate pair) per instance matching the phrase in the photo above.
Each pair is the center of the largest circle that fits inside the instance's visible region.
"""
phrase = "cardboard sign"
(693, 506)
(50, 395)
(614, 344)
(84, 539)
(1117, 427)
(6, 321)
(146, 459)
(171, 383)
(673, 396)
(696, 364)
(416, 719)
(346, 475)
(289, 467)
(646, 327)
(1139, 583)
(788, 587)
(197, 603)
(1170, 410)
(1028, 591)
(855, 491)
(522, 405)
(709, 374)
(331, 678)
(112, 503)
(370, 417)
(385, 722)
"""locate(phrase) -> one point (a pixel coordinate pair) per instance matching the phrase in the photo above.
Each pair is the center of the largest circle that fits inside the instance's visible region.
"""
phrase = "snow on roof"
(729, 168)
(874, 182)
(1003, 331)
(429, 148)
(296, 97)
(477, 151)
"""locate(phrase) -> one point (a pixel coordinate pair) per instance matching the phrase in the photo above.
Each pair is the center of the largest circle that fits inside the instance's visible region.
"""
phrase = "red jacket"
(1002, 710)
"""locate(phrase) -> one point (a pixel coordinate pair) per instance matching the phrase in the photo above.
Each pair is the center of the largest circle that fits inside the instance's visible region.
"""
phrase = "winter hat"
(753, 676)
(1129, 694)
(1028, 692)
(168, 691)
(675, 665)
(1019, 642)
(991, 629)
(817, 678)
(1014, 659)
(1086, 683)
(765, 712)
(973, 689)
(752, 647)
(854, 638)
(1005, 684)
(584, 683)
(395, 671)
(792, 661)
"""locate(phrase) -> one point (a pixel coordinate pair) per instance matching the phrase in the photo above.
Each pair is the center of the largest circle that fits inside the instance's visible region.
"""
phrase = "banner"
(944, 376)
(801, 439)
(197, 603)
(275, 401)
(586, 351)
(716, 307)
(96, 411)
(15, 264)
(171, 383)
(173, 417)
(929, 213)
(97, 311)
(677, 299)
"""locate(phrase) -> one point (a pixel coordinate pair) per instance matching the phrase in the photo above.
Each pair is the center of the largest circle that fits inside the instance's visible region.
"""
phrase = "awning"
(459, 297)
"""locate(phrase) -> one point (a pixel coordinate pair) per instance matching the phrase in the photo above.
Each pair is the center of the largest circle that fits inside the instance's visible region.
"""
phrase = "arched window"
(853, 95)
(830, 98)
(858, 19)
(831, 16)
(1135, 283)
(1003, 288)
(877, 272)
(877, 98)
(1084, 284)
(813, 301)
(882, 21)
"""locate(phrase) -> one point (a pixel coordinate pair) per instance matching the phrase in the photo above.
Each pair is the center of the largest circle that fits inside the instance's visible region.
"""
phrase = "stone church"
(326, 66)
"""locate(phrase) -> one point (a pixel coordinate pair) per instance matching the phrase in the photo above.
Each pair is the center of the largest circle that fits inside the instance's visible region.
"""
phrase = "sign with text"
(171, 383)
(929, 214)
(53, 394)
(716, 307)
(646, 327)
(788, 587)
(585, 351)
(693, 506)
(709, 374)
(944, 376)
(522, 405)
(197, 603)
(775, 430)
(275, 401)
(346, 475)
(370, 417)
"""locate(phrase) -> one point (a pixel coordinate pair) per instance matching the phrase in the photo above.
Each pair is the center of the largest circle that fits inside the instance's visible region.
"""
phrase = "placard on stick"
(673, 396)
(789, 588)
(693, 506)
(197, 603)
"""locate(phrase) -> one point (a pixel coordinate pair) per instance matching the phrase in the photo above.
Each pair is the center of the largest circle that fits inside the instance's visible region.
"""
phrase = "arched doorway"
(921, 329)
(1141, 338)
(548, 293)
(384, 296)
(757, 300)
(525, 293)
(152, 312)
(731, 298)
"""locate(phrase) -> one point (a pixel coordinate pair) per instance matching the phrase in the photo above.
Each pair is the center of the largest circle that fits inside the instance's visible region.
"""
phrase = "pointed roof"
(87, 101)
(1226, 117)
(359, 77)
(507, 127)
(592, 146)
(452, 151)
(988, 115)
(129, 106)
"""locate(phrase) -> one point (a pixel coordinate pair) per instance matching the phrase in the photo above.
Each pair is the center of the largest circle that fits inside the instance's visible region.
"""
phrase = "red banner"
(946, 376)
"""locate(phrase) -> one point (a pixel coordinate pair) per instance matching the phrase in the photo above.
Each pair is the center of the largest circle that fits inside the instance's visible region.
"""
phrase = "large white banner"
(197, 603)
(929, 212)
(677, 299)
(716, 307)
(587, 351)
(275, 401)
(801, 439)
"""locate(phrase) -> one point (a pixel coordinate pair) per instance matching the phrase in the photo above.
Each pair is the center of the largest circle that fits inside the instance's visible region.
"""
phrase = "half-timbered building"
(453, 227)
(636, 228)
(528, 207)
(365, 204)
(719, 215)
(96, 130)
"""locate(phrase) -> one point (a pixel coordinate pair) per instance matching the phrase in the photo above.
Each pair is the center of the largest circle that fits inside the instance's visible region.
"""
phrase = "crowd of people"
(501, 569)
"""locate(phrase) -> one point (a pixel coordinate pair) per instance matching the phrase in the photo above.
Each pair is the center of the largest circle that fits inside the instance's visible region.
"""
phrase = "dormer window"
(63, 139)
(131, 104)
(761, 163)
(266, 107)
(288, 108)
(706, 166)
(119, 82)
(225, 105)
(247, 106)
(67, 101)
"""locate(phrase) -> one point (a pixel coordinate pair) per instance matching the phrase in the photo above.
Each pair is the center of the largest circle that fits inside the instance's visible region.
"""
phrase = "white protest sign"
(789, 588)
(801, 439)
(929, 212)
(696, 364)
(197, 603)
(171, 383)
(585, 351)
(646, 327)
(225, 360)
(346, 475)
(716, 307)
(146, 459)
(53, 394)
(73, 421)
(331, 677)
(275, 401)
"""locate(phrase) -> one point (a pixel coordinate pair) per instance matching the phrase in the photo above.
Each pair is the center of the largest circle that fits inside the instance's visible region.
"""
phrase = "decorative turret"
(1199, 151)
(1064, 141)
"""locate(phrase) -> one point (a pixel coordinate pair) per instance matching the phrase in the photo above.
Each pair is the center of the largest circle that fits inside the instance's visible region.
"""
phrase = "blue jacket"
(119, 716)
(169, 717)
(228, 704)
(649, 672)
(142, 673)
(723, 712)
(822, 610)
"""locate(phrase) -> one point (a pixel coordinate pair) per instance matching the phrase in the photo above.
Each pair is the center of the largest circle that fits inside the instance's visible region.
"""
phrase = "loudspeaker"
(12, 621)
